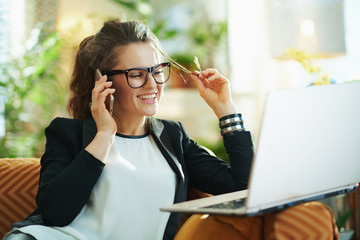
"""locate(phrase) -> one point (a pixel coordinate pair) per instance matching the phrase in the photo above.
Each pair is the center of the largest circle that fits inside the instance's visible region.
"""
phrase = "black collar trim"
(132, 136)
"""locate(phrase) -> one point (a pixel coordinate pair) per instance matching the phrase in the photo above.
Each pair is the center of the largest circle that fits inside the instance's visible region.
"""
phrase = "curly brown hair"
(99, 51)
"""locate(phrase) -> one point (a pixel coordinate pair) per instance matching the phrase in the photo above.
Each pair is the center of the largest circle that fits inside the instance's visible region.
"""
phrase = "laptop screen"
(309, 143)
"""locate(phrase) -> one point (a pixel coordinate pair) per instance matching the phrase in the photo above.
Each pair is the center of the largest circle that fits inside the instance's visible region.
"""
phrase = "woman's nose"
(151, 81)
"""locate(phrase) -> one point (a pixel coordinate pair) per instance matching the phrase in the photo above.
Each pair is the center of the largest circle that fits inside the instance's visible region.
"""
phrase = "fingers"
(100, 86)
(99, 99)
(102, 96)
(212, 74)
(206, 72)
(102, 79)
(198, 80)
(100, 92)
(209, 71)
(196, 75)
(209, 76)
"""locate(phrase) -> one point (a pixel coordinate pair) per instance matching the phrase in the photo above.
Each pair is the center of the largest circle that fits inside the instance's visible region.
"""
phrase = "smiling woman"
(108, 59)
(99, 167)
(137, 93)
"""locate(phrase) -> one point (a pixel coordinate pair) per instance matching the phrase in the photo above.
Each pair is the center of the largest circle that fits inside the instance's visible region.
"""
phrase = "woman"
(105, 175)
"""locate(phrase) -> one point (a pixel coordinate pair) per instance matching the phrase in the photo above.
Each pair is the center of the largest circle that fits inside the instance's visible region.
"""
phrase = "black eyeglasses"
(138, 77)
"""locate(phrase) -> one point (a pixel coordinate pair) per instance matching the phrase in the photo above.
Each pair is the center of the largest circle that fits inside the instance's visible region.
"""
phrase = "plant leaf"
(197, 63)
(343, 218)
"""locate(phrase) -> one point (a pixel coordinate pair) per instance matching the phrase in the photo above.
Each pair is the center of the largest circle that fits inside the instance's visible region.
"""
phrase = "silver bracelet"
(230, 120)
(232, 128)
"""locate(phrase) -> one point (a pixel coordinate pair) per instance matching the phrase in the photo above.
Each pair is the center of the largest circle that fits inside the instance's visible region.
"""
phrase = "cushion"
(312, 220)
(213, 227)
(19, 180)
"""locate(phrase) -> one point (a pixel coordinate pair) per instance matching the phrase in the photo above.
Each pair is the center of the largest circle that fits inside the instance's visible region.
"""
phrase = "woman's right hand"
(105, 123)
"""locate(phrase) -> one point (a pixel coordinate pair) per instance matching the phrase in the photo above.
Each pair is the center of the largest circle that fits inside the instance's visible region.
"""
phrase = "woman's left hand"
(215, 90)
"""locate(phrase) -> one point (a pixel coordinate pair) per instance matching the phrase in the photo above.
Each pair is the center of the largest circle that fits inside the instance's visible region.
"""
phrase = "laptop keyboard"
(239, 203)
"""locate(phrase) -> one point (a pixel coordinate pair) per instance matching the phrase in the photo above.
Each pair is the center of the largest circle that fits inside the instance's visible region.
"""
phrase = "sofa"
(19, 178)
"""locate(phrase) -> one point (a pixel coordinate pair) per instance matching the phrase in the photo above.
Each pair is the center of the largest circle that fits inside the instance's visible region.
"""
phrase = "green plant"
(342, 219)
(33, 93)
(216, 147)
(144, 10)
(206, 36)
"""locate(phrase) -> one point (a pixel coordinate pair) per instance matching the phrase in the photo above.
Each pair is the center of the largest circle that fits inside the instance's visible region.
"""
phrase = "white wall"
(254, 72)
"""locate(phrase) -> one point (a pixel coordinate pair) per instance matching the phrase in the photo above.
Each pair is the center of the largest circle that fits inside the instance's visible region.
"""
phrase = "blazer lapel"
(163, 142)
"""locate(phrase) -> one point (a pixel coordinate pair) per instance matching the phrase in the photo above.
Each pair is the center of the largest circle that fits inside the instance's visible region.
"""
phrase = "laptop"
(308, 149)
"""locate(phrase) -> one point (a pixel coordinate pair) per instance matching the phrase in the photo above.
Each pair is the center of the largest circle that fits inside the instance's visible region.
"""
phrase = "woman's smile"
(149, 98)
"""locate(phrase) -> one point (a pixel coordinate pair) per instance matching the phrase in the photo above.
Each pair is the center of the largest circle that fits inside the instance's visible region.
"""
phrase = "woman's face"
(135, 102)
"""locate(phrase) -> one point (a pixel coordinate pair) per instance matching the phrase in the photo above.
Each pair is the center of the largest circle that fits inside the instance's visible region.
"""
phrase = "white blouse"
(124, 203)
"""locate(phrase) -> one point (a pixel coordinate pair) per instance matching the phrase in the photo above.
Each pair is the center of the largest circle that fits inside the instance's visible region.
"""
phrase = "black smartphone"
(109, 101)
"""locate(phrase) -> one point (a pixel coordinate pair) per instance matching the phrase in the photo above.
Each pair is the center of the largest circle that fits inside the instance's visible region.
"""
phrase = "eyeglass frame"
(110, 73)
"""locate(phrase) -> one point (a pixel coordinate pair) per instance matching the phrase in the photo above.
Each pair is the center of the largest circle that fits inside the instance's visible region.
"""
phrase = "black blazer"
(68, 172)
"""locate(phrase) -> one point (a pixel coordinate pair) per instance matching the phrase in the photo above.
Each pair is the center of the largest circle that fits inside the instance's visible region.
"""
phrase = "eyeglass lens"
(138, 77)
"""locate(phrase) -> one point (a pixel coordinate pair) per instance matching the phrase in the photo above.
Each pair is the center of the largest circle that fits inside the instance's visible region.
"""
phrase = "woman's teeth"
(150, 96)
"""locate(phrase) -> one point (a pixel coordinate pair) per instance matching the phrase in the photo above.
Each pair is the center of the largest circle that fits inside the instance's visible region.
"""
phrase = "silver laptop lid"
(309, 143)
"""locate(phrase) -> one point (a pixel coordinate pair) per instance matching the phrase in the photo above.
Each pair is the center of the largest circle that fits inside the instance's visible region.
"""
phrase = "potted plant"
(344, 234)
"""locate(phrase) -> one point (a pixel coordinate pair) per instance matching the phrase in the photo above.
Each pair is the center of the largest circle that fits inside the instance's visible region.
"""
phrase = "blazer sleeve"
(68, 173)
(213, 175)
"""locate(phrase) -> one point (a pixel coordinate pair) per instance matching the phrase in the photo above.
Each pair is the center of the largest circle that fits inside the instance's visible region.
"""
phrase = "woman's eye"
(136, 75)
(159, 72)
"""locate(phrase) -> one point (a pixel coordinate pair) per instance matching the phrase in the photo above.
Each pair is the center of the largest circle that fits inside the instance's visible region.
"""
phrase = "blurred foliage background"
(33, 94)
